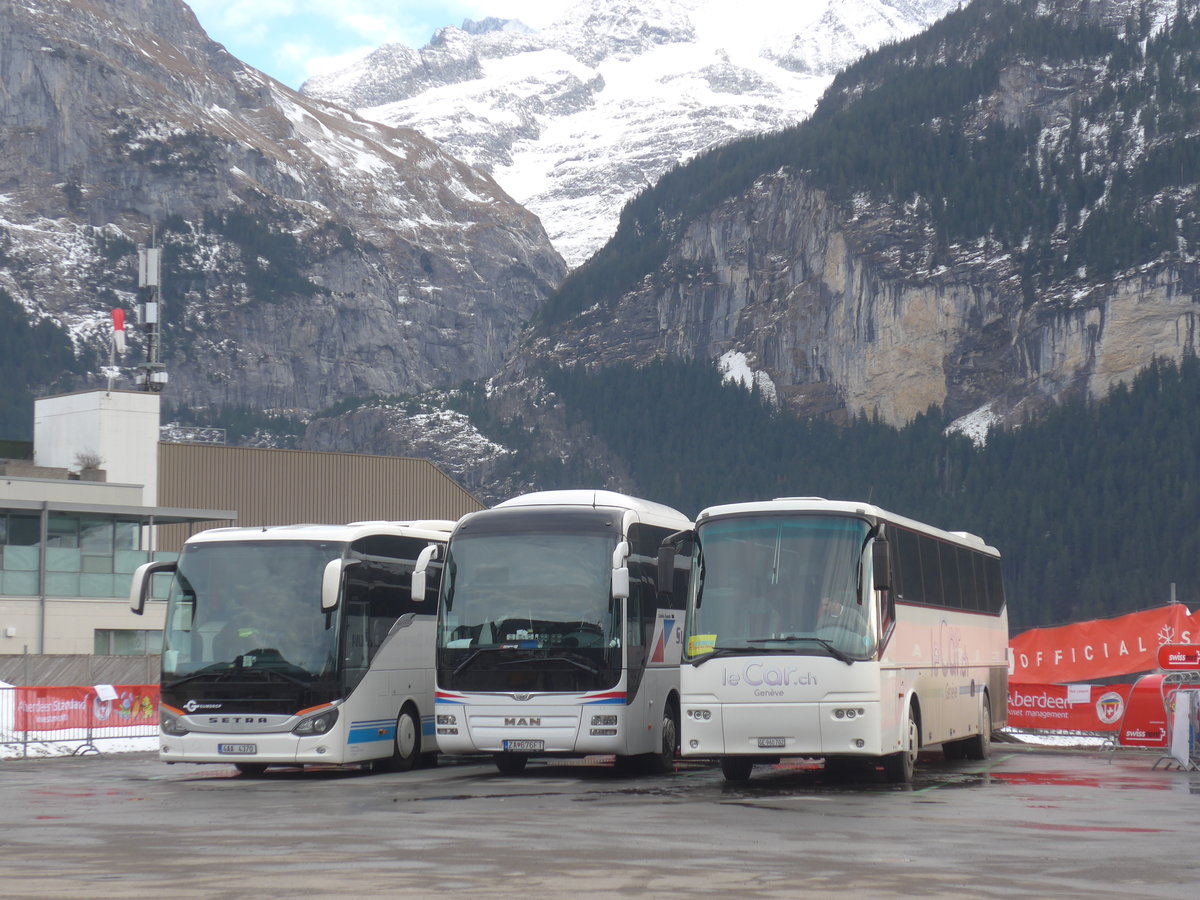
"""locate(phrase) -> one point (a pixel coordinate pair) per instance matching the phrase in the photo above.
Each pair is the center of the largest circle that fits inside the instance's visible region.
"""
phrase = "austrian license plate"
(238, 749)
(771, 743)
(525, 746)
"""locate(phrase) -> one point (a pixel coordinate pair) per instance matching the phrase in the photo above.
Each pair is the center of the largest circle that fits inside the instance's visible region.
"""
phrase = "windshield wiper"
(739, 651)
(833, 651)
(723, 651)
(590, 669)
(466, 662)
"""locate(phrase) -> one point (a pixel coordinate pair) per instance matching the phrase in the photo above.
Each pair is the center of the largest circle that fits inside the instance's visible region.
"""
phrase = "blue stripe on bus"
(371, 734)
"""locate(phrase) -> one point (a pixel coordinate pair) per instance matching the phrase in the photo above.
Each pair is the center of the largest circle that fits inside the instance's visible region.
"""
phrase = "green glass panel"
(63, 559)
(96, 586)
(20, 584)
(62, 584)
(126, 561)
(21, 559)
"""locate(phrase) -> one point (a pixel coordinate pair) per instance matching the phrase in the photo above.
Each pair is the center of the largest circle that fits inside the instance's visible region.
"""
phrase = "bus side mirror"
(419, 578)
(881, 564)
(666, 569)
(143, 578)
(620, 572)
(331, 582)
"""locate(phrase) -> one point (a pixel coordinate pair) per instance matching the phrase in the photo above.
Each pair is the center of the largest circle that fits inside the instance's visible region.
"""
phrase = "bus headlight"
(318, 724)
(170, 724)
(604, 720)
(700, 715)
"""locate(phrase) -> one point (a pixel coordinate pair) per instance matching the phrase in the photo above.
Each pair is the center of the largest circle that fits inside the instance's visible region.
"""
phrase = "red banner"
(67, 708)
(1062, 707)
(1102, 648)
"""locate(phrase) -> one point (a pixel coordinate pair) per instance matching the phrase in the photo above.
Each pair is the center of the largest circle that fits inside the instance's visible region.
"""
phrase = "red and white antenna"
(116, 346)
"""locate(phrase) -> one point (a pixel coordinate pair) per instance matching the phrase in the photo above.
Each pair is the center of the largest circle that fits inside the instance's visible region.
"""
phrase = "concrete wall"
(70, 622)
(121, 428)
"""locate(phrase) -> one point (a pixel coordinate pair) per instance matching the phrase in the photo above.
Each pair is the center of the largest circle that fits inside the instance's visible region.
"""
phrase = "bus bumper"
(827, 728)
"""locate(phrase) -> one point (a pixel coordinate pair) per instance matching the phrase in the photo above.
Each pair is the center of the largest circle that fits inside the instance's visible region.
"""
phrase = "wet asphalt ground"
(1025, 823)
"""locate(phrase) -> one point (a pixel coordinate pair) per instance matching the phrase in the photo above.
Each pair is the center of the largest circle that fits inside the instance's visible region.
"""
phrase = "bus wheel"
(251, 768)
(406, 748)
(736, 768)
(510, 763)
(663, 761)
(898, 768)
(980, 746)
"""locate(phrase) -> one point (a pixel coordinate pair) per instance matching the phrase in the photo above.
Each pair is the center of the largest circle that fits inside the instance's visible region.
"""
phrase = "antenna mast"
(152, 375)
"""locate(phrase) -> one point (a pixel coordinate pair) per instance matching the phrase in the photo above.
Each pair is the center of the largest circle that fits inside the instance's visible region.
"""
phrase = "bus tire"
(663, 761)
(898, 767)
(251, 768)
(406, 747)
(980, 746)
(736, 768)
(510, 763)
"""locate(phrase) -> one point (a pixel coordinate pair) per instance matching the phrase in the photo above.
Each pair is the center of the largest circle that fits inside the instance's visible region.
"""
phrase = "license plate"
(525, 746)
(765, 743)
(238, 749)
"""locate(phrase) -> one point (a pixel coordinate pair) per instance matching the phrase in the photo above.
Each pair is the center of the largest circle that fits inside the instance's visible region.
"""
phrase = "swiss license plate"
(238, 749)
(525, 746)
(766, 743)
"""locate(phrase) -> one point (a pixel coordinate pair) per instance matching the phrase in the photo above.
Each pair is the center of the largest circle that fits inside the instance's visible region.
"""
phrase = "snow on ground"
(975, 425)
(46, 749)
(736, 367)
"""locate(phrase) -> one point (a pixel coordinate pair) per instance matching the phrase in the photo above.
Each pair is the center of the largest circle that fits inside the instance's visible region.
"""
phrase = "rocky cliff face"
(813, 295)
(309, 255)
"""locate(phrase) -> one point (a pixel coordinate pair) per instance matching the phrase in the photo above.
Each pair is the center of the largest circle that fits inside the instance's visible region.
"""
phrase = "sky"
(291, 40)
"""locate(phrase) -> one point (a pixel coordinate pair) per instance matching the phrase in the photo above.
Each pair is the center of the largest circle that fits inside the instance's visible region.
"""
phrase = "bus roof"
(647, 510)
(842, 507)
(429, 529)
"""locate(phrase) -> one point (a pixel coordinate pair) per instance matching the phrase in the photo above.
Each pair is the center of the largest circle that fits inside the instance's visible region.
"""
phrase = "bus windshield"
(251, 605)
(780, 584)
(528, 591)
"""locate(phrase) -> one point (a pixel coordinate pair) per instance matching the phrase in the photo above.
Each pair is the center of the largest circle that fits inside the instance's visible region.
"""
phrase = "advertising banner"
(47, 709)
(1067, 707)
(1102, 648)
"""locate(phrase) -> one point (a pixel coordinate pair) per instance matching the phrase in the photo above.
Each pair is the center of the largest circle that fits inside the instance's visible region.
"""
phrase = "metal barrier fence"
(61, 721)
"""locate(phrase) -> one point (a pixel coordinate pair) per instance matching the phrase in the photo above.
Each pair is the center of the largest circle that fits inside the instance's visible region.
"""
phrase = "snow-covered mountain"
(310, 255)
(575, 119)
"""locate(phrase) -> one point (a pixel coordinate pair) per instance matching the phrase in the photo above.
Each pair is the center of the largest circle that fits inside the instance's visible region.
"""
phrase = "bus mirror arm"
(331, 582)
(881, 564)
(419, 572)
(620, 572)
(143, 578)
(666, 569)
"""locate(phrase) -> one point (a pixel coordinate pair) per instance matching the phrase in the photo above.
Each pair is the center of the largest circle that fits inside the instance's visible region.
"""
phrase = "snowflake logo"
(1166, 635)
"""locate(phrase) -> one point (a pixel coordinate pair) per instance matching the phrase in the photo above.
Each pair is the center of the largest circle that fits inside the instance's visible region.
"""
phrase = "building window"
(126, 642)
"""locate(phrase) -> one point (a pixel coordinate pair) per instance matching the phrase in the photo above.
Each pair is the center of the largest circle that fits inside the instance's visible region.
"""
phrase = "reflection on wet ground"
(590, 778)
